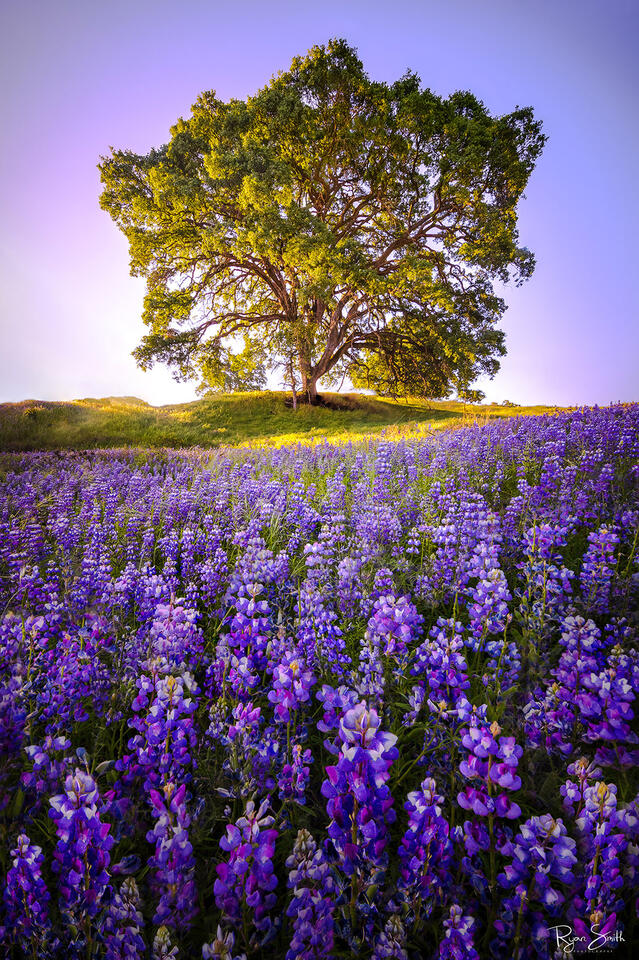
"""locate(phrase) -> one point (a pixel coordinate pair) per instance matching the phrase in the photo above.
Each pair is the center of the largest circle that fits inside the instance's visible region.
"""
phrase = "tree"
(335, 224)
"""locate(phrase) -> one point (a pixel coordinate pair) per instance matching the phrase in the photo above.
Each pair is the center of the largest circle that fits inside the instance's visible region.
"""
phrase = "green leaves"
(354, 226)
(223, 369)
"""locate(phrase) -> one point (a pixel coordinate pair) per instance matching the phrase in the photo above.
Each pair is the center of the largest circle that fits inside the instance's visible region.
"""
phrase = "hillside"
(261, 417)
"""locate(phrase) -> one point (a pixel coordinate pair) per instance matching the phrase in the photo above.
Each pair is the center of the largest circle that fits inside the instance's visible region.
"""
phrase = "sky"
(78, 77)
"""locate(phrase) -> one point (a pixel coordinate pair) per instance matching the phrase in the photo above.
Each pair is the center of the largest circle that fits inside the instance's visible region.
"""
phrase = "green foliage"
(353, 226)
(467, 395)
(225, 371)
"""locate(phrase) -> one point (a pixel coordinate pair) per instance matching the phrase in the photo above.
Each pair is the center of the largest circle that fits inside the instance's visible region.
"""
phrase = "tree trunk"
(311, 390)
(308, 376)
(309, 385)
(292, 375)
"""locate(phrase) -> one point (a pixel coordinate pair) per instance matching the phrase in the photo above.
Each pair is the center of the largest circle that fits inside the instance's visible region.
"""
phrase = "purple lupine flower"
(541, 851)
(150, 589)
(439, 660)
(598, 568)
(166, 738)
(294, 777)
(616, 687)
(359, 800)
(222, 947)
(313, 902)
(336, 702)
(395, 623)
(488, 610)
(416, 700)
(318, 633)
(383, 585)
(292, 683)
(350, 590)
(491, 764)
(241, 675)
(605, 704)
(546, 584)
(600, 802)
(467, 712)
(212, 573)
(122, 924)
(173, 862)
(600, 846)
(247, 878)
(425, 850)
(12, 711)
(370, 680)
(48, 771)
(174, 634)
(550, 720)
(580, 636)
(475, 836)
(250, 625)
(390, 944)
(74, 680)
(320, 556)
(252, 751)
(458, 937)
(26, 897)
(574, 793)
(246, 723)
(551, 716)
(81, 857)
(163, 948)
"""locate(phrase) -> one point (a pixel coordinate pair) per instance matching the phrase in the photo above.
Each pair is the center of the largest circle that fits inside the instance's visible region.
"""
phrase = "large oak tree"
(337, 225)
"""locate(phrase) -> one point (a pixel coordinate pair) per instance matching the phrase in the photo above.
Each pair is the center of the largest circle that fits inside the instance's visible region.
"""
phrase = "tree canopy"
(332, 225)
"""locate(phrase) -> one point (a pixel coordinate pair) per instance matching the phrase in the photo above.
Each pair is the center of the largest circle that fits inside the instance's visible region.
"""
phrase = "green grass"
(239, 418)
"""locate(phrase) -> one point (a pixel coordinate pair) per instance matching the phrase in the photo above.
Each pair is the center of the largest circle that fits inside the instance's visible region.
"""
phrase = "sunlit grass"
(240, 419)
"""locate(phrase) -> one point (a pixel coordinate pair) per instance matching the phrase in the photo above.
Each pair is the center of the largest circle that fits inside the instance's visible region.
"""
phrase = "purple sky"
(79, 76)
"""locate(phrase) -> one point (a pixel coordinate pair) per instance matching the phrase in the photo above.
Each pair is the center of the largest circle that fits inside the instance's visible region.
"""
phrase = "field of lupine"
(366, 701)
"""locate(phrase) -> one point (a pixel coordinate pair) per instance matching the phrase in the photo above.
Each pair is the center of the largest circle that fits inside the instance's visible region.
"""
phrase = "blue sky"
(78, 77)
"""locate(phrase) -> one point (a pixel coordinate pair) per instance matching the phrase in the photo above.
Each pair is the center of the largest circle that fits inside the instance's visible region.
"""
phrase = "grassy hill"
(234, 419)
